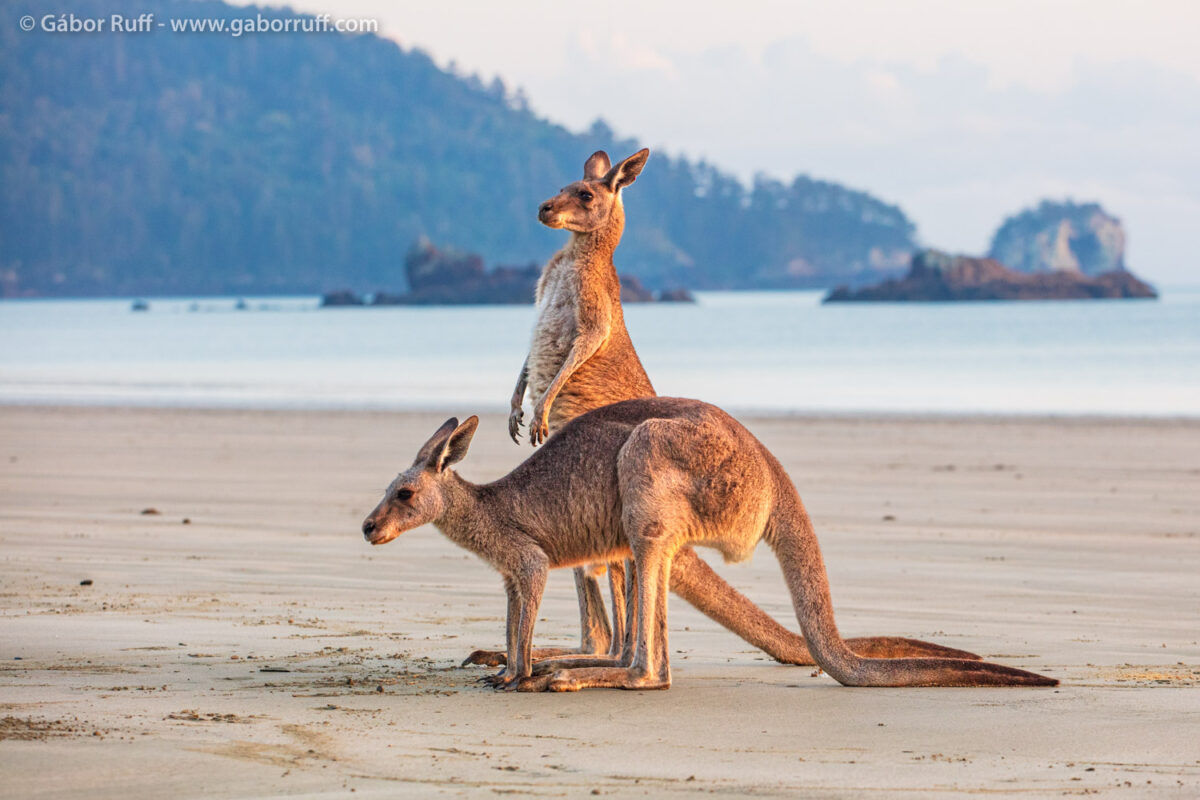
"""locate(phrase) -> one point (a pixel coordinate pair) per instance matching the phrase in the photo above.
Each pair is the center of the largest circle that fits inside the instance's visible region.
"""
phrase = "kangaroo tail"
(696, 582)
(791, 536)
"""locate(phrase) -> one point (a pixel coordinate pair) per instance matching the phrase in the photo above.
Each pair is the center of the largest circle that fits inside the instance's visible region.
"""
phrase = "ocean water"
(772, 352)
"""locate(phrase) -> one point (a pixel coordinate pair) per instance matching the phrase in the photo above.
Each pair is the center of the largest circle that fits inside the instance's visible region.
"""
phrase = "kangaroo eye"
(585, 196)
(404, 494)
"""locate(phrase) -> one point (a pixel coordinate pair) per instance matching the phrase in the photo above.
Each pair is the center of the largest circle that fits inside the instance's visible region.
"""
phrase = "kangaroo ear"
(431, 452)
(627, 171)
(596, 166)
(456, 446)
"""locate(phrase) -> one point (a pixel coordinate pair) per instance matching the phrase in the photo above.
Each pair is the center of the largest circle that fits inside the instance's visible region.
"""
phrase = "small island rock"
(936, 277)
(1061, 237)
(439, 276)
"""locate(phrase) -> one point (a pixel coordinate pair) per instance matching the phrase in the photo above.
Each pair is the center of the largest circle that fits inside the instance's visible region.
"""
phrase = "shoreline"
(262, 648)
(749, 354)
(493, 409)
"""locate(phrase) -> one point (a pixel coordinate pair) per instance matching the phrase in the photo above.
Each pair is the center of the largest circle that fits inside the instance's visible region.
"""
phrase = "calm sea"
(765, 352)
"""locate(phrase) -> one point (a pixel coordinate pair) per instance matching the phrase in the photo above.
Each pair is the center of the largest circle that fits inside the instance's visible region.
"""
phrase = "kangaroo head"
(417, 495)
(587, 205)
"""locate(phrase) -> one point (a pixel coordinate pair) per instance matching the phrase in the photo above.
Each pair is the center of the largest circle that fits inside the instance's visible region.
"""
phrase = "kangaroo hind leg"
(596, 635)
(650, 668)
(655, 519)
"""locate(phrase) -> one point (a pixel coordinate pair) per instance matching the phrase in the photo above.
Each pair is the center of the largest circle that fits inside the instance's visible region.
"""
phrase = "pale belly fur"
(557, 326)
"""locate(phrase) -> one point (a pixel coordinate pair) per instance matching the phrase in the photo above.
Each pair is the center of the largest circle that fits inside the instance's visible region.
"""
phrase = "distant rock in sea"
(1061, 237)
(936, 277)
(341, 297)
(632, 291)
(676, 296)
(449, 277)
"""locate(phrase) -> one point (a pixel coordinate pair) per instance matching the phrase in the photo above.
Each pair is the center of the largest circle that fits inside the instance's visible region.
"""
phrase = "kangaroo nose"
(368, 527)
(544, 208)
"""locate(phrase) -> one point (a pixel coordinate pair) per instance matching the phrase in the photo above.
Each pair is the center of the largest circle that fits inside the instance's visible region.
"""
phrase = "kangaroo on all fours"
(581, 358)
(640, 479)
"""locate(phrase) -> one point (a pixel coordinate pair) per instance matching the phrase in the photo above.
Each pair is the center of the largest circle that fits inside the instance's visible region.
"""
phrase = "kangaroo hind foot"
(573, 680)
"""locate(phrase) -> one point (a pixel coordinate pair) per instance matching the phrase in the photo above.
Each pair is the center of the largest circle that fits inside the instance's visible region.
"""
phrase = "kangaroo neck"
(467, 516)
(488, 519)
(596, 248)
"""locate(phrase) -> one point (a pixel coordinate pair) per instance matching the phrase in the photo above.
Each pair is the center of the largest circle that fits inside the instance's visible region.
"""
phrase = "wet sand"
(245, 642)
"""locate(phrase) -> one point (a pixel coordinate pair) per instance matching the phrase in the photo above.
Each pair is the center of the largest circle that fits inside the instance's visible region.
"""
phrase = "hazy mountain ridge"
(200, 163)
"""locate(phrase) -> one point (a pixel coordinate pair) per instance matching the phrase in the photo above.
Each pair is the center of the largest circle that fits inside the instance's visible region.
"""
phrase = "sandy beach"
(243, 641)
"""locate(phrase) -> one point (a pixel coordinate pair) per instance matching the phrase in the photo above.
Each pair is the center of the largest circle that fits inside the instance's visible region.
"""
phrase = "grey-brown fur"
(581, 358)
(641, 479)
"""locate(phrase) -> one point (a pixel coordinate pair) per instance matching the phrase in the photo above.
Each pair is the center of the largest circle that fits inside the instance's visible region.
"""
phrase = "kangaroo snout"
(373, 533)
(546, 213)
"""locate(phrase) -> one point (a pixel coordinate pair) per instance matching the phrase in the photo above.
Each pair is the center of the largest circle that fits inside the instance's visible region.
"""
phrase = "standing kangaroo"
(581, 359)
(641, 479)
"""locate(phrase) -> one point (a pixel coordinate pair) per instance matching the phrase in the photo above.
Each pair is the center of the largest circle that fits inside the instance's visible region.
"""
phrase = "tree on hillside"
(199, 163)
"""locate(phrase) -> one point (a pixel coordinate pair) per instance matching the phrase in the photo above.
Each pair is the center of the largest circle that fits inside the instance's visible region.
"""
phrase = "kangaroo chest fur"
(610, 374)
(557, 323)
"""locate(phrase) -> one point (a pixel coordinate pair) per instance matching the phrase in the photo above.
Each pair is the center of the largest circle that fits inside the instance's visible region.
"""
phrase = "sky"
(960, 111)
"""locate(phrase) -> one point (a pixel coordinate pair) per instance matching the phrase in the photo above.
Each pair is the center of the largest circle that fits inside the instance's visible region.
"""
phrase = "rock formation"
(1061, 237)
(936, 276)
(450, 277)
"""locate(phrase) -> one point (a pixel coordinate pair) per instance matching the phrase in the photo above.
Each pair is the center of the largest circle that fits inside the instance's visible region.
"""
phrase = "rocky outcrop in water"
(936, 277)
(633, 291)
(676, 296)
(1061, 237)
(341, 297)
(450, 277)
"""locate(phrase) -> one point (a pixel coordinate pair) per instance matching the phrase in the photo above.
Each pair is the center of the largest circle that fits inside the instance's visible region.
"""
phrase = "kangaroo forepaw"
(539, 431)
(486, 658)
(514, 424)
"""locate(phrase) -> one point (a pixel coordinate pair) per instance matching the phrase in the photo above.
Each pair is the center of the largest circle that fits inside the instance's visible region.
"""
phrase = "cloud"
(954, 149)
(632, 56)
